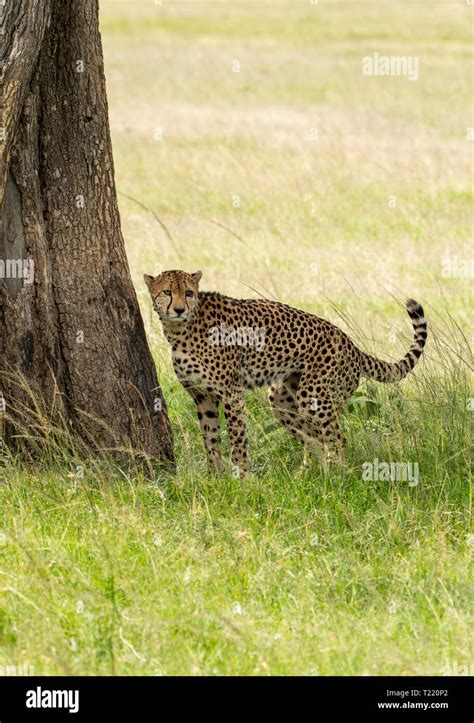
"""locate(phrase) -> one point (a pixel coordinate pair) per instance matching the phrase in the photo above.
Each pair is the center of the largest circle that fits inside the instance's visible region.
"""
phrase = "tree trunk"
(71, 327)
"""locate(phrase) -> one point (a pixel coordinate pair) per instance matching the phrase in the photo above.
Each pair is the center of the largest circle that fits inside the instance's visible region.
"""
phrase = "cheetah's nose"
(179, 310)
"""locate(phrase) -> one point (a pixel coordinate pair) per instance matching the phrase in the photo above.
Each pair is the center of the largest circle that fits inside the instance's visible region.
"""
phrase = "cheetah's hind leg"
(317, 407)
(282, 398)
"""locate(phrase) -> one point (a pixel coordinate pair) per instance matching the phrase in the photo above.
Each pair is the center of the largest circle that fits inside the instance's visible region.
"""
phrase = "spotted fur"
(222, 346)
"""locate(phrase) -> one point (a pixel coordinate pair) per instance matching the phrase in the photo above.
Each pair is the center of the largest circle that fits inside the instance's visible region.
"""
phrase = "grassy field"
(277, 168)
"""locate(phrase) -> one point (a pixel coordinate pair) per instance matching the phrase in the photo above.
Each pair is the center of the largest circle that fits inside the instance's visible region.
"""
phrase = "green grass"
(283, 572)
(103, 571)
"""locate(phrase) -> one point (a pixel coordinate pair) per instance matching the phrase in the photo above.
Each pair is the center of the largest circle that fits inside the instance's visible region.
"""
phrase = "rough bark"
(75, 334)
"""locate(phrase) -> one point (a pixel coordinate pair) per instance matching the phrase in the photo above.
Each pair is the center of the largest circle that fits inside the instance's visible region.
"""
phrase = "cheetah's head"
(174, 294)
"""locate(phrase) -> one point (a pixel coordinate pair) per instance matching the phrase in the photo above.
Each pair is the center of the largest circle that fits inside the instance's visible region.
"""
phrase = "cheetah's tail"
(383, 371)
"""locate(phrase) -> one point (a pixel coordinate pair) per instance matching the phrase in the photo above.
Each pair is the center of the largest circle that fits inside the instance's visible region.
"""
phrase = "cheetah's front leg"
(236, 419)
(208, 415)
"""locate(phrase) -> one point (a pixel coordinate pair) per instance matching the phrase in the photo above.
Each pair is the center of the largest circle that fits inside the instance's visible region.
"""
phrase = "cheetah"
(222, 346)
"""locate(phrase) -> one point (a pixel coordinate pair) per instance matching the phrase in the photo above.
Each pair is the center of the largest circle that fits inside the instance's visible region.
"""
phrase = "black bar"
(412, 698)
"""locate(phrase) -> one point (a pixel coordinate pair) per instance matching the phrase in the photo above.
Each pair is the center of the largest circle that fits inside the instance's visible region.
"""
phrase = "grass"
(103, 571)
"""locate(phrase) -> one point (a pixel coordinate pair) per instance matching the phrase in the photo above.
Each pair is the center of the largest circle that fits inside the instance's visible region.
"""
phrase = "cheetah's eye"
(189, 293)
(167, 292)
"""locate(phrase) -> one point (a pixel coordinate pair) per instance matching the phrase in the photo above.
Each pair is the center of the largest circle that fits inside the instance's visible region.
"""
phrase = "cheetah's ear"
(148, 280)
(197, 276)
